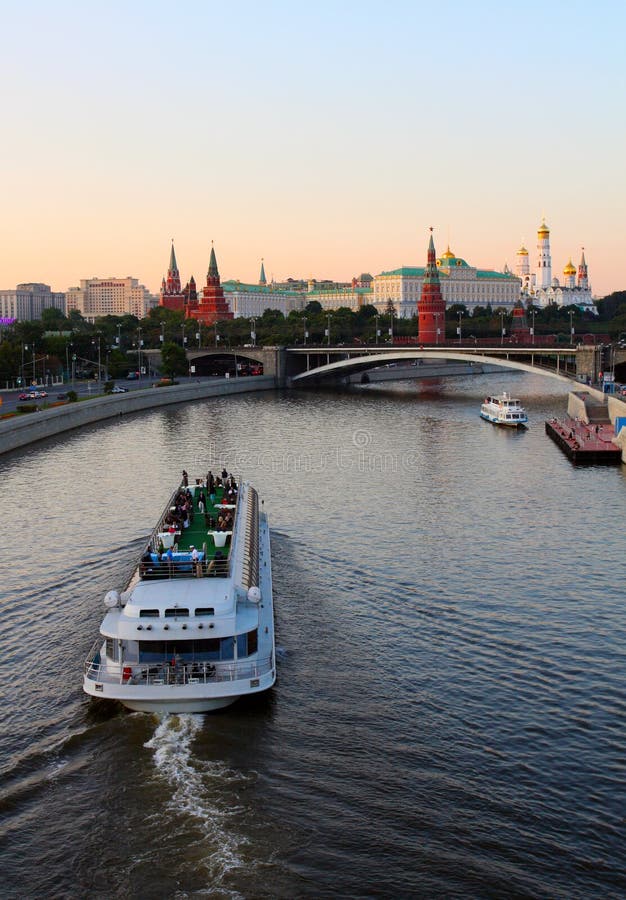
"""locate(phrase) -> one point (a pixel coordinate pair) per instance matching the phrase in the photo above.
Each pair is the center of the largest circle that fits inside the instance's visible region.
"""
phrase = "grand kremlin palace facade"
(460, 283)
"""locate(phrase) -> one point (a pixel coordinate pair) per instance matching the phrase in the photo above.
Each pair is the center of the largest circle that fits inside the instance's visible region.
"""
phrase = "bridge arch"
(338, 370)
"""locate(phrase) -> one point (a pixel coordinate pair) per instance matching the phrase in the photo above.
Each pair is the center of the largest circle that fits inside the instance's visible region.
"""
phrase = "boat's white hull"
(179, 698)
(179, 706)
(519, 423)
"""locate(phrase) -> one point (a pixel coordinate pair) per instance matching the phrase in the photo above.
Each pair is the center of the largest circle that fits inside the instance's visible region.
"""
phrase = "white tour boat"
(502, 409)
(194, 628)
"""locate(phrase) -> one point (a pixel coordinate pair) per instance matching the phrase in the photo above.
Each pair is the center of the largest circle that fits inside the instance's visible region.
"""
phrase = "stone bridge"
(302, 365)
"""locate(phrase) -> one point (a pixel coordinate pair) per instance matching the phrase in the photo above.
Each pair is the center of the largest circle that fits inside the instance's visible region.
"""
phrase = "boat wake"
(202, 796)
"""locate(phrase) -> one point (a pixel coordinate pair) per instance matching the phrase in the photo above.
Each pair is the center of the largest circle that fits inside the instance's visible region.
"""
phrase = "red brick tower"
(520, 332)
(212, 306)
(189, 292)
(171, 295)
(431, 309)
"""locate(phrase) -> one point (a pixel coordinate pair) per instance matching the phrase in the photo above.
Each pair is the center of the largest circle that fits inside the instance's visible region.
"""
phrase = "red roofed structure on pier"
(431, 308)
(211, 307)
(171, 295)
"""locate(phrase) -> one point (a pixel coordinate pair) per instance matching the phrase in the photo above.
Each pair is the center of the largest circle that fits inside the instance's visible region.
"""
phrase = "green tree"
(174, 359)
(53, 319)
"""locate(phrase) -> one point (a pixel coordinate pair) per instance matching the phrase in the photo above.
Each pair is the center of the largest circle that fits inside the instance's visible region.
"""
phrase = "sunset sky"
(324, 137)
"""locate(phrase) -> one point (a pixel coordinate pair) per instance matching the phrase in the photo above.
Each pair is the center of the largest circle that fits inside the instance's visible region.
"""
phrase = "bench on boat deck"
(181, 559)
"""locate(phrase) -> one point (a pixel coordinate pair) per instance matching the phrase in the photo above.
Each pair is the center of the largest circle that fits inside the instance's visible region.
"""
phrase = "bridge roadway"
(334, 363)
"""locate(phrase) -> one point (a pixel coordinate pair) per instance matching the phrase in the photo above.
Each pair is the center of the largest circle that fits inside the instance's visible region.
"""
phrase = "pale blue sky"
(324, 137)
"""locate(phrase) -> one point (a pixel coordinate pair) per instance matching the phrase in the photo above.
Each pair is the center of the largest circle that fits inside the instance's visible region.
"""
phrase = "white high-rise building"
(111, 297)
(27, 301)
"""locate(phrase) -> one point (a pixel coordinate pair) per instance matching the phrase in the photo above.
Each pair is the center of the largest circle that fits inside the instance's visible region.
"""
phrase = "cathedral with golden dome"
(541, 289)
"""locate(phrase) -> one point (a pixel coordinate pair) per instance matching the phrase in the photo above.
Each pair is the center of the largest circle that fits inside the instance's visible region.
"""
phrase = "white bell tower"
(544, 260)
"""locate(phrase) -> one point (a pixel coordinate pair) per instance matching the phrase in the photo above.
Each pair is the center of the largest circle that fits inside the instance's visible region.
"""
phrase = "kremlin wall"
(408, 289)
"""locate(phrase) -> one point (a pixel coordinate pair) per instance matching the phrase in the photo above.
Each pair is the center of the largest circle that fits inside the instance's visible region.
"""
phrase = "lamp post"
(532, 329)
(306, 333)
(162, 335)
(501, 328)
(139, 343)
(34, 372)
(376, 317)
(459, 328)
(437, 327)
(328, 317)
(94, 343)
(217, 337)
(253, 330)
(184, 339)
(391, 327)
(199, 336)
(119, 337)
(571, 327)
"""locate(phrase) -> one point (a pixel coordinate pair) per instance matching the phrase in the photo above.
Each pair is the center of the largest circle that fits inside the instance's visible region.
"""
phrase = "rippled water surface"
(450, 714)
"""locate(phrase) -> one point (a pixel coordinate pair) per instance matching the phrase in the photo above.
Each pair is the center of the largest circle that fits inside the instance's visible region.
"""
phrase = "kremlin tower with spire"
(431, 308)
(171, 296)
(212, 306)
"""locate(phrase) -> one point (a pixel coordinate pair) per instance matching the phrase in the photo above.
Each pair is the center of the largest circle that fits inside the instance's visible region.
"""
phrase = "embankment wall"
(26, 429)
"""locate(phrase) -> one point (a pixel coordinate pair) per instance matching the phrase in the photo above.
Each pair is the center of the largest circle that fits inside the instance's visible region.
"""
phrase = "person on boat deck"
(214, 565)
(201, 504)
(221, 524)
(185, 478)
(195, 561)
(224, 474)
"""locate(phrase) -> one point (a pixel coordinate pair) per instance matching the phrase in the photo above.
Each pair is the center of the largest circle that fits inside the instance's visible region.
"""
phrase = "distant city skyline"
(325, 140)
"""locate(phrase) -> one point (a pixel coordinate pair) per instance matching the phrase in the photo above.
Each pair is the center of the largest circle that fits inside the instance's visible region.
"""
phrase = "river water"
(450, 715)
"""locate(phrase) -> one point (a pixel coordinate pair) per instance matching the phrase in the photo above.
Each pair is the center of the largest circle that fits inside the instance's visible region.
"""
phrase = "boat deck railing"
(186, 568)
(135, 673)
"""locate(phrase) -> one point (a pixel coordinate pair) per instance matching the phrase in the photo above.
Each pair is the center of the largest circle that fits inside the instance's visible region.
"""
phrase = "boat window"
(205, 611)
(227, 648)
(148, 614)
(176, 612)
(188, 651)
(111, 648)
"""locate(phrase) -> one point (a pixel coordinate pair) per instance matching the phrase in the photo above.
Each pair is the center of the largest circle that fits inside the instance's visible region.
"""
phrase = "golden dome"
(448, 254)
(544, 231)
(570, 268)
(522, 251)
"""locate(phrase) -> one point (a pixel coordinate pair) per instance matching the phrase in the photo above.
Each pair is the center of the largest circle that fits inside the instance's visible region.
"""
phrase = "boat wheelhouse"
(194, 628)
(502, 409)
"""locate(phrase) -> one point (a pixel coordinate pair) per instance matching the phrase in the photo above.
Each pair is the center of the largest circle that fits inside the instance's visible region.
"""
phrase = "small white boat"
(502, 409)
(194, 629)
